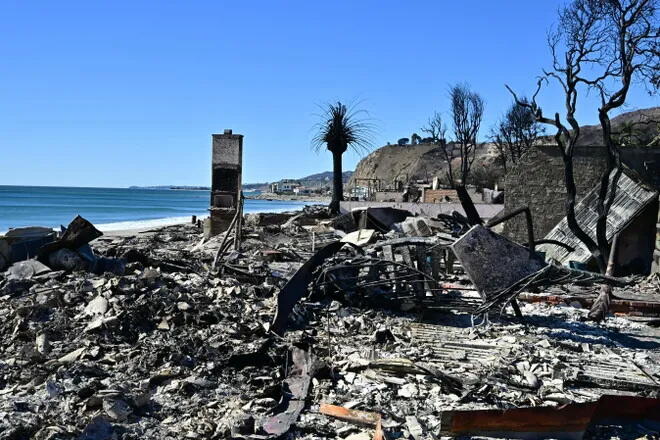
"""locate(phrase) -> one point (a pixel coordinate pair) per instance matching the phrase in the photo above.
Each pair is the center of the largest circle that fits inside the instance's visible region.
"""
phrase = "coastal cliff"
(425, 161)
(411, 162)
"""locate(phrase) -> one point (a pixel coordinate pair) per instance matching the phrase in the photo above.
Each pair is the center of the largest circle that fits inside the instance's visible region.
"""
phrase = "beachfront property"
(285, 186)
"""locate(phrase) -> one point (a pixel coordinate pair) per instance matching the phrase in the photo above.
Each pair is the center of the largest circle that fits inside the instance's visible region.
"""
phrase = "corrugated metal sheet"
(630, 200)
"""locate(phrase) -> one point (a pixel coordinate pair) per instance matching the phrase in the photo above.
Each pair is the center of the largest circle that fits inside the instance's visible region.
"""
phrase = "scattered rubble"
(303, 330)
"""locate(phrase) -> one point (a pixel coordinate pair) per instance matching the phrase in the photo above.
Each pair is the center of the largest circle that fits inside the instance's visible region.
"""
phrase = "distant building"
(359, 192)
(439, 195)
(284, 186)
(304, 190)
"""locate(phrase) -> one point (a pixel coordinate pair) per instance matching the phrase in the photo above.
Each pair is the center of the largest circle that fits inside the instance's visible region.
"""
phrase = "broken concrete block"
(42, 344)
(492, 261)
(360, 238)
(25, 270)
(97, 306)
(117, 410)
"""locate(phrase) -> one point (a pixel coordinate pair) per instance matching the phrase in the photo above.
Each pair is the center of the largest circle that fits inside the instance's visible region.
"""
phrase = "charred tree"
(467, 109)
(437, 131)
(602, 46)
(516, 132)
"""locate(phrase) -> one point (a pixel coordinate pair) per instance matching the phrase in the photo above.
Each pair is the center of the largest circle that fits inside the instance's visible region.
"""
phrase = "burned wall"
(537, 181)
(637, 242)
(440, 195)
(226, 171)
(656, 252)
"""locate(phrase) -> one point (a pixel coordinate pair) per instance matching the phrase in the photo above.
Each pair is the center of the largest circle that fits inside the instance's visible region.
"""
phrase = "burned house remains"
(226, 170)
(537, 181)
(380, 323)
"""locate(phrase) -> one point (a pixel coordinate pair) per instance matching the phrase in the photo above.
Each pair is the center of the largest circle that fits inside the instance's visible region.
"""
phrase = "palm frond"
(341, 127)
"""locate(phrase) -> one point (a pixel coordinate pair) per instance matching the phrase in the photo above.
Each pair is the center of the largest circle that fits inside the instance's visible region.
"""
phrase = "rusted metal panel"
(296, 387)
(564, 422)
(296, 287)
(354, 416)
(569, 421)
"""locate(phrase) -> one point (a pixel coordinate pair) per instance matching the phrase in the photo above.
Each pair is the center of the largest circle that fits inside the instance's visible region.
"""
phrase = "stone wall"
(486, 210)
(389, 196)
(439, 195)
(537, 181)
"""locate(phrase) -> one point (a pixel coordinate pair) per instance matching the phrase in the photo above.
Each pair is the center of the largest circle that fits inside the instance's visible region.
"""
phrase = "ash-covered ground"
(176, 349)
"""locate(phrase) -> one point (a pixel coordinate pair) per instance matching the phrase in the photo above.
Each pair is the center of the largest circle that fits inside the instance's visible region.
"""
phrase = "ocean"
(112, 208)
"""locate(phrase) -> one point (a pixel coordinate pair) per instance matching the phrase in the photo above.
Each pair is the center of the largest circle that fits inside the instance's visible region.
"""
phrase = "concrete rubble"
(296, 334)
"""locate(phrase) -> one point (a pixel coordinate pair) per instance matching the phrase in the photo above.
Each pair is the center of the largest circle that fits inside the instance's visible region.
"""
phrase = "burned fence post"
(468, 206)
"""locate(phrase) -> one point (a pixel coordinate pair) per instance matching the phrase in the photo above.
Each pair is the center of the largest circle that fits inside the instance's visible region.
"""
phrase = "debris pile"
(306, 326)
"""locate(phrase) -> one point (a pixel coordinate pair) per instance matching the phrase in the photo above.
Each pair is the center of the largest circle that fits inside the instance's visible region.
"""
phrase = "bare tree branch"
(437, 130)
(467, 109)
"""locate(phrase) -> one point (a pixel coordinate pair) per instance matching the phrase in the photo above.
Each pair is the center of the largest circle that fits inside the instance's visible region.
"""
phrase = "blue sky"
(119, 93)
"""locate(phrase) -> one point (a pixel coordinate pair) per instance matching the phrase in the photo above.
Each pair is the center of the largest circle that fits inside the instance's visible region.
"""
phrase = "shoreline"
(136, 226)
(289, 198)
(126, 232)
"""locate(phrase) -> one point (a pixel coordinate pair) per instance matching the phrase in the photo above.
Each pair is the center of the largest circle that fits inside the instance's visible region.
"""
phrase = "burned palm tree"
(340, 128)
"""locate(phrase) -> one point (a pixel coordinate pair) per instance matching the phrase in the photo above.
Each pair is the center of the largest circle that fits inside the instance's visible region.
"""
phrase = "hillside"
(323, 178)
(313, 180)
(424, 161)
(591, 134)
(411, 162)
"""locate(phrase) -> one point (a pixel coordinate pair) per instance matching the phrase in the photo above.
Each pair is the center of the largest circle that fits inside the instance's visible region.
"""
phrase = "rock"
(66, 259)
(97, 306)
(42, 344)
(98, 429)
(71, 357)
(531, 379)
(118, 410)
(25, 270)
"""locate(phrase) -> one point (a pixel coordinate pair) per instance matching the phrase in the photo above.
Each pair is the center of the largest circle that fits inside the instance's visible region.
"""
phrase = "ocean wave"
(251, 206)
(145, 224)
(168, 221)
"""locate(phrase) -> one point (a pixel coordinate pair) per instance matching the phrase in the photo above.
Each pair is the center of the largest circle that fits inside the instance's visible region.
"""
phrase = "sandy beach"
(290, 197)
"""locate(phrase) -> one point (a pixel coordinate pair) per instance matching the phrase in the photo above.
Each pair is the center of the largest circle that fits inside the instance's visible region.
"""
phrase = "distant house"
(304, 190)
(284, 186)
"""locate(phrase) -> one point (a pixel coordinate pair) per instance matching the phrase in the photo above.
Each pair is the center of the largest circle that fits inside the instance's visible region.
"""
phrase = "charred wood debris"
(374, 324)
